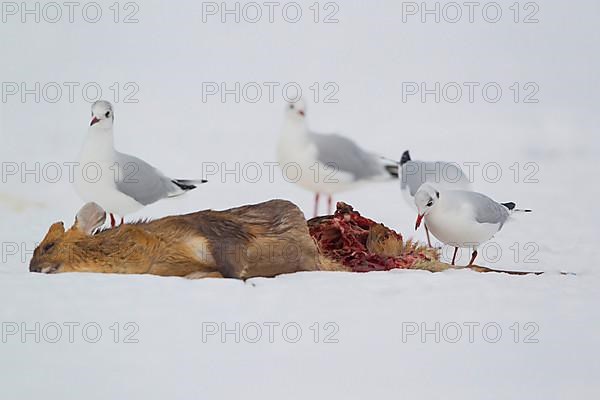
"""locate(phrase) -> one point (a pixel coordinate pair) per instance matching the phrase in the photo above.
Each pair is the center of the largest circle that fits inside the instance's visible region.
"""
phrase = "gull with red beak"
(445, 176)
(121, 184)
(325, 163)
(461, 218)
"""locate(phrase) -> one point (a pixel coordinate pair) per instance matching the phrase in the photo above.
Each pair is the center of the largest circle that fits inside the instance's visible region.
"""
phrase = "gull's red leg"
(316, 204)
(122, 220)
(329, 204)
(454, 256)
(473, 257)
(112, 220)
(428, 238)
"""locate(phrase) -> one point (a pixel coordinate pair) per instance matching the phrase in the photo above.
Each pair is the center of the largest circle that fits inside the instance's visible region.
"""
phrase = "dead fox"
(266, 239)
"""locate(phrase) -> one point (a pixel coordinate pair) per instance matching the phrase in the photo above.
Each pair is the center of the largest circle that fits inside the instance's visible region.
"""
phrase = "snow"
(368, 54)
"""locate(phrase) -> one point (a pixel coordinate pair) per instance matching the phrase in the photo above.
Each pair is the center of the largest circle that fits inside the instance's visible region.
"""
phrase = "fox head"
(60, 251)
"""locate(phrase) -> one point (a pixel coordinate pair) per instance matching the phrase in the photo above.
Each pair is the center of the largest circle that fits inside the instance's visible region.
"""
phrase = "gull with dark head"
(461, 218)
(444, 175)
(120, 183)
(328, 163)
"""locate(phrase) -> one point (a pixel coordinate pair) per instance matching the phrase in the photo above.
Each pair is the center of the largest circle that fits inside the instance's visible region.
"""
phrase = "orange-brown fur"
(266, 239)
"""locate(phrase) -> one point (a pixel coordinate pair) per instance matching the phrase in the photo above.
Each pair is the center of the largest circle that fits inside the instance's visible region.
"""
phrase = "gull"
(445, 176)
(121, 184)
(461, 218)
(325, 163)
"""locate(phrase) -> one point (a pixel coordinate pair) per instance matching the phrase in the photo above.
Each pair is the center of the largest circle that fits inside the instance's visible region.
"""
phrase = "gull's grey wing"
(487, 211)
(141, 181)
(416, 173)
(346, 156)
(412, 176)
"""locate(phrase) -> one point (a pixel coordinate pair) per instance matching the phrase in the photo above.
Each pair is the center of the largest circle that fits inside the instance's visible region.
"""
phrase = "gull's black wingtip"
(186, 185)
(405, 158)
(392, 170)
(511, 206)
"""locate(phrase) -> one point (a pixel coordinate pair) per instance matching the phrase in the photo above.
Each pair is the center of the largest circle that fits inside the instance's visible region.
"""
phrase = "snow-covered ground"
(323, 335)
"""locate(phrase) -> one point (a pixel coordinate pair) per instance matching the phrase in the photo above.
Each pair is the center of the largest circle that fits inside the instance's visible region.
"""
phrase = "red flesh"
(343, 238)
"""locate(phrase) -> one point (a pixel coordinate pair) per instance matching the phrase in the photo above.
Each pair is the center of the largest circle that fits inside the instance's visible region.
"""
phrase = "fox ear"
(56, 230)
(89, 218)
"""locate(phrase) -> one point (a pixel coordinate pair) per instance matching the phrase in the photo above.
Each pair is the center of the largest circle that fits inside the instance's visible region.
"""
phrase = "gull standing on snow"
(121, 184)
(444, 175)
(328, 163)
(461, 218)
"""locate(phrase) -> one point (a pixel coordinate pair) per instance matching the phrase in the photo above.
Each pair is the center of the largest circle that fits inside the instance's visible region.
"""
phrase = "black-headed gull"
(328, 163)
(445, 176)
(461, 218)
(119, 183)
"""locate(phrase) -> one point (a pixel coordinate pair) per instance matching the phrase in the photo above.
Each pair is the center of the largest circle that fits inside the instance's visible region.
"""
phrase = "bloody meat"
(362, 244)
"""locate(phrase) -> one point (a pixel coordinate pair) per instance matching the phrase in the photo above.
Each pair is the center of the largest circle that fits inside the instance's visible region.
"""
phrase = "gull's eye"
(107, 115)
(430, 204)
